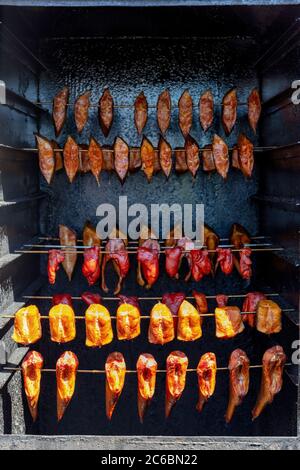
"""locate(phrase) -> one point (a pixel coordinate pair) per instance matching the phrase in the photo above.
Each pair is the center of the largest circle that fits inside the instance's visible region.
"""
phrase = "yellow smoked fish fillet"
(115, 369)
(128, 321)
(189, 322)
(66, 370)
(268, 317)
(206, 372)
(98, 326)
(31, 371)
(161, 327)
(27, 325)
(229, 322)
(177, 364)
(62, 323)
(146, 367)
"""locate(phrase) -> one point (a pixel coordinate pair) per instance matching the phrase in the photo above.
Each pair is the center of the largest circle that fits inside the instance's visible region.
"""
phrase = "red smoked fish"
(146, 367)
(238, 381)
(206, 371)
(271, 381)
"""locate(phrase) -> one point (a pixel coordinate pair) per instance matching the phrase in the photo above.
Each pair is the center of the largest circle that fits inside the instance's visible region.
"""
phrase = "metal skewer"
(128, 105)
(34, 149)
(70, 250)
(261, 237)
(48, 297)
(143, 317)
(95, 371)
(258, 245)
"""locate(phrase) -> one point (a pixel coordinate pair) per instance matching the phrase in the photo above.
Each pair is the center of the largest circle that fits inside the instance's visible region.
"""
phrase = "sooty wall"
(128, 66)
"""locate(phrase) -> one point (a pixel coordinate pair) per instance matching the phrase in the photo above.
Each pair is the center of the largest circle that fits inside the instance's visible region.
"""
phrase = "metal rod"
(159, 241)
(49, 297)
(128, 105)
(40, 252)
(143, 317)
(34, 149)
(130, 248)
(95, 371)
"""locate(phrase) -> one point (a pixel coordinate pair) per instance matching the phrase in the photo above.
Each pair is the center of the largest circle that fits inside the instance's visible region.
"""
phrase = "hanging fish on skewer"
(140, 112)
(121, 153)
(271, 381)
(238, 381)
(206, 110)
(55, 258)
(161, 326)
(146, 367)
(115, 369)
(206, 372)
(81, 110)
(254, 109)
(71, 158)
(66, 370)
(229, 111)
(177, 364)
(62, 323)
(106, 111)
(59, 110)
(98, 329)
(185, 110)
(163, 111)
(47, 162)
(189, 322)
(27, 325)
(31, 371)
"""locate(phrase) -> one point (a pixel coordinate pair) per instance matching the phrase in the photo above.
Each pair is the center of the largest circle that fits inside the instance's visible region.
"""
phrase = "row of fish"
(146, 368)
(201, 262)
(171, 318)
(163, 111)
(78, 158)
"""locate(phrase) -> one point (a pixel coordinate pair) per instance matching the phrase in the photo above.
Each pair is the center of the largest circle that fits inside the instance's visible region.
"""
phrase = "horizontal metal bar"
(22, 104)
(70, 250)
(132, 248)
(95, 371)
(49, 297)
(283, 203)
(280, 48)
(145, 317)
(34, 149)
(129, 105)
(280, 101)
(284, 157)
(260, 237)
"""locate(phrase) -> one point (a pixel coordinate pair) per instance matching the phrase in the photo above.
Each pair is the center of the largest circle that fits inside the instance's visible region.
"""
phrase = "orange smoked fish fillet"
(27, 325)
(229, 322)
(206, 372)
(31, 372)
(115, 369)
(62, 323)
(146, 367)
(161, 327)
(128, 321)
(268, 317)
(66, 370)
(177, 364)
(189, 322)
(98, 326)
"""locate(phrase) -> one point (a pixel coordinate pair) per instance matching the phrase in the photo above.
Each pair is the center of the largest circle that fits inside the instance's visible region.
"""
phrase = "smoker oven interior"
(132, 50)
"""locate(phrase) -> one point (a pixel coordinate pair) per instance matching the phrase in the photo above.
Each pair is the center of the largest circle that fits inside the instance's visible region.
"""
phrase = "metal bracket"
(2, 92)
